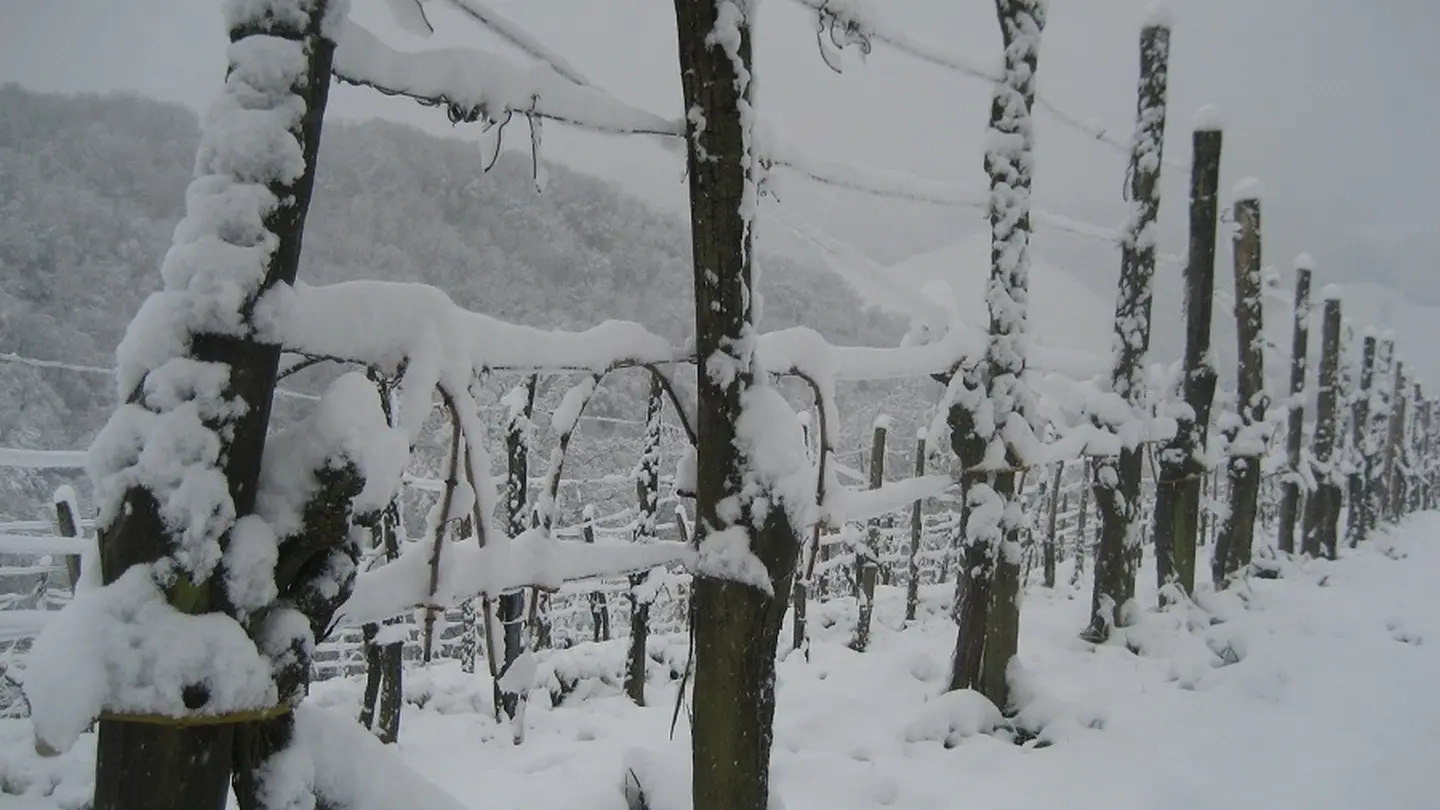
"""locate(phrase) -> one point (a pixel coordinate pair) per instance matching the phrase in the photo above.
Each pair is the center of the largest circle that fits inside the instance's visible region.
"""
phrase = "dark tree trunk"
(737, 626)
(150, 767)
(991, 590)
(1360, 519)
(1051, 540)
(1322, 508)
(1082, 525)
(384, 663)
(867, 556)
(1117, 479)
(599, 605)
(1380, 411)
(1394, 448)
(1178, 492)
(1295, 424)
(1232, 547)
(510, 607)
(647, 501)
(917, 527)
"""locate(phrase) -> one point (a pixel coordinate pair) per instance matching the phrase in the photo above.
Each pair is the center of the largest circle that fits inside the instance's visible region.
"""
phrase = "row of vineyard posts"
(1379, 463)
(1364, 459)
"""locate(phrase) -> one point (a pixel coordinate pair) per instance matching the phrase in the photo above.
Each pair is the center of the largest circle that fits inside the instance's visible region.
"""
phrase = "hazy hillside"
(91, 187)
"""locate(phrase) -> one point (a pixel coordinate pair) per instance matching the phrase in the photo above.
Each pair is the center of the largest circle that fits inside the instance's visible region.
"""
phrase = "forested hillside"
(91, 187)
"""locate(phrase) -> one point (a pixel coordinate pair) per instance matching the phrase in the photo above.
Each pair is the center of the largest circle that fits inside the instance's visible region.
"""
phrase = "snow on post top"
(1158, 15)
(1207, 119)
(922, 433)
(1332, 292)
(1305, 262)
(883, 422)
(1247, 189)
(1388, 334)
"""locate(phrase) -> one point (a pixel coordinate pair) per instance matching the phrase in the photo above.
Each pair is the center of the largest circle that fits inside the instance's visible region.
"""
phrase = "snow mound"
(952, 717)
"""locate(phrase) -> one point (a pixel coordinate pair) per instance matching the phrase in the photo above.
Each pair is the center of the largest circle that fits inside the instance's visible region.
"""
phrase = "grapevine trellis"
(190, 474)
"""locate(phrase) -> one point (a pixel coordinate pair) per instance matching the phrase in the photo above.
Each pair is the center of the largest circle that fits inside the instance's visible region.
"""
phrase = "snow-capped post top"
(922, 433)
(883, 422)
(1247, 189)
(1207, 119)
(1332, 292)
(1158, 15)
(1305, 262)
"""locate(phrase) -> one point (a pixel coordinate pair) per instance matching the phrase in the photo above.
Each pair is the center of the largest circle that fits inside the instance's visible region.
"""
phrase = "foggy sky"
(1329, 102)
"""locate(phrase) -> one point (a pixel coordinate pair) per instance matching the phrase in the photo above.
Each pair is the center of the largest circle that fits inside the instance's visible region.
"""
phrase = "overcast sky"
(1331, 103)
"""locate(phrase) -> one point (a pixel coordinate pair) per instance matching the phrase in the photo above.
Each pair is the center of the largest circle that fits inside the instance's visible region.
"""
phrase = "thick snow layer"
(1305, 261)
(1318, 694)
(1247, 189)
(1158, 14)
(1207, 118)
(1332, 292)
(123, 648)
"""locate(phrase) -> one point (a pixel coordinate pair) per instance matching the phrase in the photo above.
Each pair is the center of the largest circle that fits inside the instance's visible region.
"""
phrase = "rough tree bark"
(141, 766)
(1117, 478)
(1051, 539)
(737, 625)
(987, 606)
(917, 529)
(1295, 416)
(1322, 508)
(1183, 466)
(1232, 546)
(647, 501)
(867, 556)
(1378, 430)
(1082, 525)
(1394, 447)
(510, 607)
(1359, 520)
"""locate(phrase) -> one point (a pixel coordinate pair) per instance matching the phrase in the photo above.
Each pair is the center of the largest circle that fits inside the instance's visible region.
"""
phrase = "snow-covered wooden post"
(519, 403)
(1380, 408)
(1295, 407)
(1414, 440)
(1357, 512)
(1419, 439)
(800, 590)
(1117, 478)
(1394, 446)
(1247, 446)
(917, 530)
(1082, 526)
(988, 610)
(746, 555)
(1179, 511)
(195, 380)
(1051, 540)
(1322, 508)
(647, 505)
(599, 606)
(867, 552)
(67, 524)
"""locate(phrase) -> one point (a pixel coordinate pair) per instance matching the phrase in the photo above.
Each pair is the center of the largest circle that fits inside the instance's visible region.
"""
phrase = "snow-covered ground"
(1330, 702)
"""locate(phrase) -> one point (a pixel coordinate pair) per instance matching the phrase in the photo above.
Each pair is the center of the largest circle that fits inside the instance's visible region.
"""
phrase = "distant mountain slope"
(91, 188)
(1064, 313)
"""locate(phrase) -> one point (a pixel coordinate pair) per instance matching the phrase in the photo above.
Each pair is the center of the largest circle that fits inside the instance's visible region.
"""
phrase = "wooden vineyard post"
(1247, 446)
(1359, 519)
(867, 554)
(1179, 504)
(1117, 479)
(1322, 508)
(917, 519)
(1295, 415)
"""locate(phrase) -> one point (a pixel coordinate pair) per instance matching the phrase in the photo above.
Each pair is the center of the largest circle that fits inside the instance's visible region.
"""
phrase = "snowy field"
(1330, 703)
